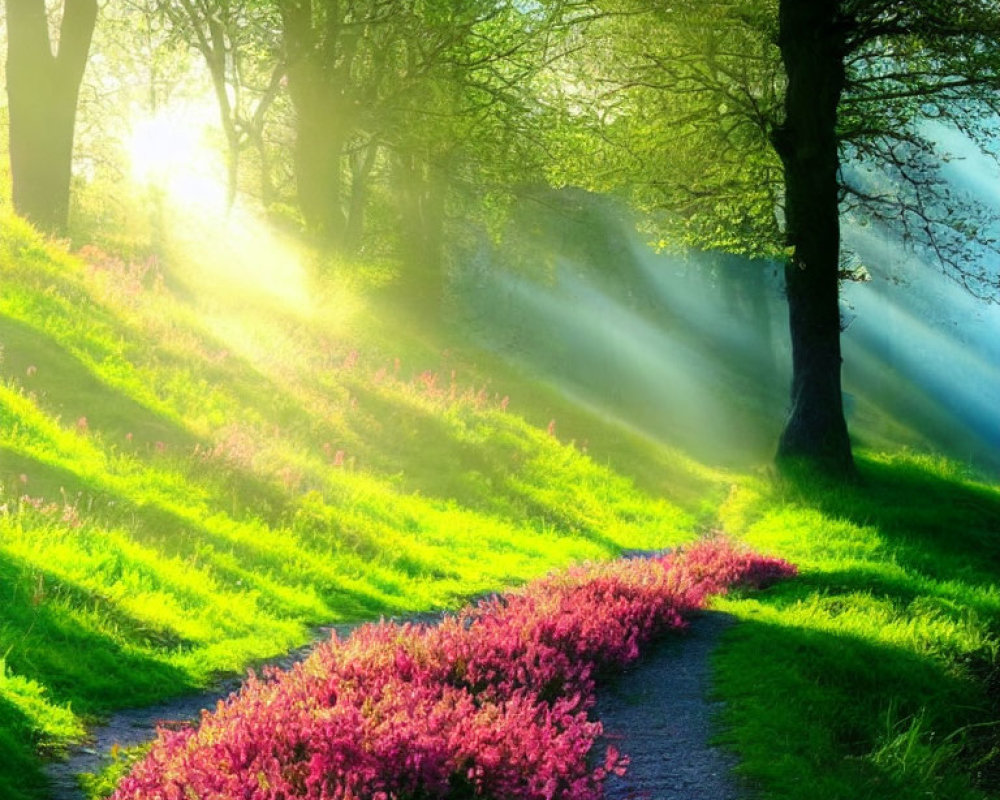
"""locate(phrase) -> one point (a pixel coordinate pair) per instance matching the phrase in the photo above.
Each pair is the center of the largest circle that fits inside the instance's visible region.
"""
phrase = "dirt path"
(658, 713)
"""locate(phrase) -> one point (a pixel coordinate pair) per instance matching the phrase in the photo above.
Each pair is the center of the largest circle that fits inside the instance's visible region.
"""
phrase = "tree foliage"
(239, 44)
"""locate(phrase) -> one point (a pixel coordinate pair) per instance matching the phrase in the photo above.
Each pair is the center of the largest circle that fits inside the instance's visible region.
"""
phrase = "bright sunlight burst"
(170, 151)
(226, 247)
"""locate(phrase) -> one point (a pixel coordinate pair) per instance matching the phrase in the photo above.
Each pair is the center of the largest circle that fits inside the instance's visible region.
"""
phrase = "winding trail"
(657, 712)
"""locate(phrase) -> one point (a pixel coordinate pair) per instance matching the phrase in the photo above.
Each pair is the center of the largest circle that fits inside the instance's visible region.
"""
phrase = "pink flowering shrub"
(493, 702)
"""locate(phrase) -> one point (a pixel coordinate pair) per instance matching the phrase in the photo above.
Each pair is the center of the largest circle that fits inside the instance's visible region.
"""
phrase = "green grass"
(874, 673)
(192, 476)
(191, 480)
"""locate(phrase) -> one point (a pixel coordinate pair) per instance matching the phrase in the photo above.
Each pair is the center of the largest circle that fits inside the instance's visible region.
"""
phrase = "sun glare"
(226, 248)
(169, 151)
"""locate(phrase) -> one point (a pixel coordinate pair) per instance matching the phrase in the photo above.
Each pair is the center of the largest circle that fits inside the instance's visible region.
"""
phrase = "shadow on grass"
(950, 600)
(421, 447)
(47, 622)
(940, 523)
(481, 474)
(816, 714)
(874, 673)
(22, 474)
(66, 388)
(20, 776)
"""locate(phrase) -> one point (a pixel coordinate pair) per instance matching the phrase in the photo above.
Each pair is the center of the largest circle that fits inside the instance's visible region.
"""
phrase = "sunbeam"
(218, 247)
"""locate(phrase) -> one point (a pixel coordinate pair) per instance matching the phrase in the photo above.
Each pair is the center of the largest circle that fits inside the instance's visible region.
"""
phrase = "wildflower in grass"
(429, 381)
(290, 478)
(350, 360)
(39, 593)
(71, 516)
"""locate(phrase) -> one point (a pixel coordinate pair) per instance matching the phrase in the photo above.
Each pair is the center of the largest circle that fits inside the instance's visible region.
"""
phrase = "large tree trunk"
(318, 160)
(42, 90)
(317, 72)
(812, 49)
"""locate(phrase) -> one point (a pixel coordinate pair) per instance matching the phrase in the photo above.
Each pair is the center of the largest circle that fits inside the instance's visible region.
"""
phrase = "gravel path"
(658, 713)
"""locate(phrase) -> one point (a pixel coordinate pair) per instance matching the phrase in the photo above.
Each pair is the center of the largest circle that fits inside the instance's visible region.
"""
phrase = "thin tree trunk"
(813, 55)
(362, 164)
(42, 90)
(420, 190)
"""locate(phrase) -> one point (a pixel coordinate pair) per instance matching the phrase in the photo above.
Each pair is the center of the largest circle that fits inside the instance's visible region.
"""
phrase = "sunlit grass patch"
(868, 675)
(55, 725)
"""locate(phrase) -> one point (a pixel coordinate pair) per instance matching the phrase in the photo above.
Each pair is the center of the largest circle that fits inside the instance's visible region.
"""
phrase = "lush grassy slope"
(874, 674)
(193, 473)
(195, 468)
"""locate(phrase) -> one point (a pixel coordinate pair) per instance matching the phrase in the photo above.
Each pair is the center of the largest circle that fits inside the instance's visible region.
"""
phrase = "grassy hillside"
(875, 674)
(195, 470)
(201, 459)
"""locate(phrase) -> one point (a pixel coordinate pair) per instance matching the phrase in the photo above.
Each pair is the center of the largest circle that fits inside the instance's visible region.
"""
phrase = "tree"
(238, 43)
(42, 89)
(761, 103)
(467, 129)
(890, 64)
(813, 52)
(402, 87)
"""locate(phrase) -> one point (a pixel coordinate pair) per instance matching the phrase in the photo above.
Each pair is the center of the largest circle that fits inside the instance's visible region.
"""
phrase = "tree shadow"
(65, 388)
(21, 474)
(48, 621)
(423, 450)
(940, 524)
(810, 705)
(947, 599)
(20, 776)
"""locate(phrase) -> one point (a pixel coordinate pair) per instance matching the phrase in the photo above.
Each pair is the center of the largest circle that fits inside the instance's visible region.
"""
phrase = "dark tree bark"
(812, 46)
(42, 90)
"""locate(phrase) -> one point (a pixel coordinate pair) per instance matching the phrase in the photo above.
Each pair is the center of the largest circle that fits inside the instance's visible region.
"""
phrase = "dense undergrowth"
(195, 471)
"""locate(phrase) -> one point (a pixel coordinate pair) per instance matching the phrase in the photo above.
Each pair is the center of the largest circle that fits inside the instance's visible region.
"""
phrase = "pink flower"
(493, 701)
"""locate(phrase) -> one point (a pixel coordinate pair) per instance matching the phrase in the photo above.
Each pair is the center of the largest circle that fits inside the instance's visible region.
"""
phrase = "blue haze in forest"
(694, 350)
